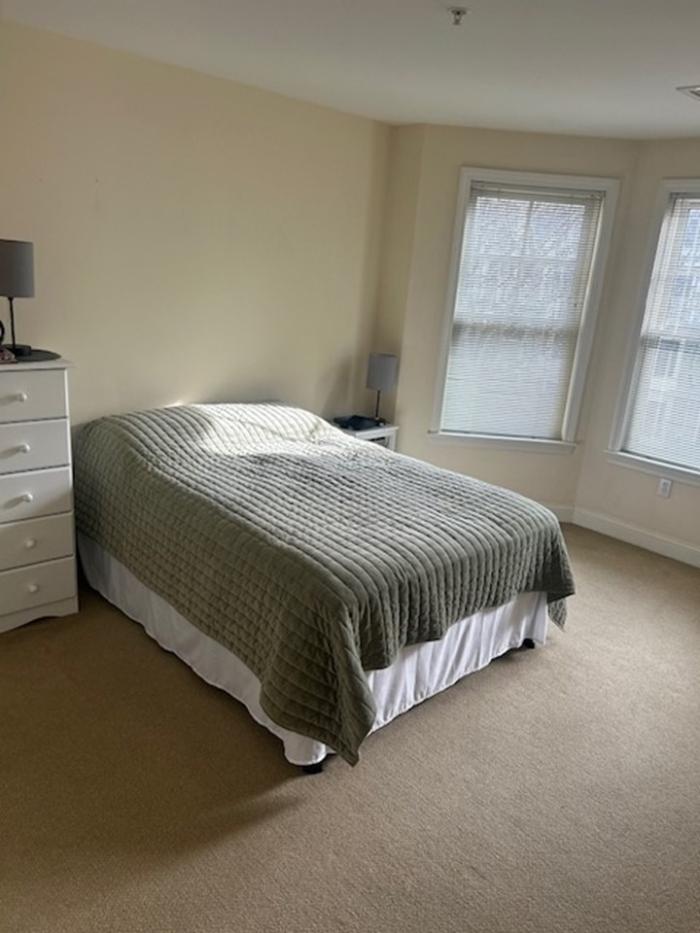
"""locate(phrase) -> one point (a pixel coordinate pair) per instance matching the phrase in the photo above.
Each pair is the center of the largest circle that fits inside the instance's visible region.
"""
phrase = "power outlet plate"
(664, 488)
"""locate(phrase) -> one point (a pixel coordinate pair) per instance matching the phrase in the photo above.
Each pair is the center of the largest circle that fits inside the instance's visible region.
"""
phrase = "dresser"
(37, 538)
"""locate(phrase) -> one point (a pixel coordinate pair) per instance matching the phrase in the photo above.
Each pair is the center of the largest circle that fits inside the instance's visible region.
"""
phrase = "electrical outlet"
(664, 488)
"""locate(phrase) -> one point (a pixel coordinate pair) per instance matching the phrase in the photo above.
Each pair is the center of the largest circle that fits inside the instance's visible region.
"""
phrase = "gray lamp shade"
(16, 269)
(382, 371)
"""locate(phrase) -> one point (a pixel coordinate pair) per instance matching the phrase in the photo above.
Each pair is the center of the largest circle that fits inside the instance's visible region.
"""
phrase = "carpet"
(558, 790)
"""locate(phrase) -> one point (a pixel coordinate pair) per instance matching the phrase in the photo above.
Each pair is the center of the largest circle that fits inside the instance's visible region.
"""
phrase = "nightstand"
(384, 434)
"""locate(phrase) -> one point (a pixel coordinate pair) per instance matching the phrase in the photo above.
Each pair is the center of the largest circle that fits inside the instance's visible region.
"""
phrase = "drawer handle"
(33, 587)
(30, 543)
(23, 448)
(21, 397)
(27, 497)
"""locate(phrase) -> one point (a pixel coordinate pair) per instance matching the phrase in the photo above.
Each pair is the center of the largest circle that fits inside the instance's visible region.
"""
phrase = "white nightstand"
(384, 434)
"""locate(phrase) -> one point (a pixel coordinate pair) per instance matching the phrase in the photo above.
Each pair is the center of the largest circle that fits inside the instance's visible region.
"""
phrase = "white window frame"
(623, 408)
(584, 343)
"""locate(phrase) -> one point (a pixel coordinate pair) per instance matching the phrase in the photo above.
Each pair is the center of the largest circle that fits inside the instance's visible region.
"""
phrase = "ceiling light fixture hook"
(458, 14)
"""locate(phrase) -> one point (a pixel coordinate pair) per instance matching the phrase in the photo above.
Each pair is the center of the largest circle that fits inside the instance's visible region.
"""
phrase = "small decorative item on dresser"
(384, 434)
(6, 355)
(37, 549)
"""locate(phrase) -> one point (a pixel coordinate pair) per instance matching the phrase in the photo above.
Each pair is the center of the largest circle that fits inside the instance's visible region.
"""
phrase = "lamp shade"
(382, 371)
(16, 269)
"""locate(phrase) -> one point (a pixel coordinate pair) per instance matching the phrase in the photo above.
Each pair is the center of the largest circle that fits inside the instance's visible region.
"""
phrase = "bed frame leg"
(528, 643)
(314, 769)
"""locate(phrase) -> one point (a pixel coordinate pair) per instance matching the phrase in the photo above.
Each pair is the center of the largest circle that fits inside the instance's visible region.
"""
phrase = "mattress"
(418, 672)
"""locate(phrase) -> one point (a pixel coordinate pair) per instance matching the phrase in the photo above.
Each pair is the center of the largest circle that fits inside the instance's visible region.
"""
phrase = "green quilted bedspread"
(313, 556)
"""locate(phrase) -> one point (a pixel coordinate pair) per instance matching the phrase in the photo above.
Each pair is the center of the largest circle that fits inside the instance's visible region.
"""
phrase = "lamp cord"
(12, 323)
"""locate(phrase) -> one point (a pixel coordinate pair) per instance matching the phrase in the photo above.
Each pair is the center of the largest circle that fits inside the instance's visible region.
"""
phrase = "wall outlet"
(664, 488)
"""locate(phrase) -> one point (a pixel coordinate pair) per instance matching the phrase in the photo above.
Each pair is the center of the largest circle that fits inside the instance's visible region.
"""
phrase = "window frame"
(623, 408)
(584, 343)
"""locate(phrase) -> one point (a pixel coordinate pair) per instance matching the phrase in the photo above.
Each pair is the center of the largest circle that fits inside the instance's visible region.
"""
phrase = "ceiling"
(594, 67)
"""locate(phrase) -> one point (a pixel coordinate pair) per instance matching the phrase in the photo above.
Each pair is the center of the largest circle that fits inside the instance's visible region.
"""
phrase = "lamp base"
(21, 349)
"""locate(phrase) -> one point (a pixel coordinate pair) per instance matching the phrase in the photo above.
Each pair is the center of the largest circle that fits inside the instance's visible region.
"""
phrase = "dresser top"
(60, 363)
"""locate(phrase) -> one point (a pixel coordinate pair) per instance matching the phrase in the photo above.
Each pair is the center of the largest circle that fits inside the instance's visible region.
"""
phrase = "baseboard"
(565, 513)
(632, 534)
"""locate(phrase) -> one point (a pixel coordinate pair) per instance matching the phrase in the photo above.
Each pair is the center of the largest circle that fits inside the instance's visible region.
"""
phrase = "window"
(527, 264)
(661, 420)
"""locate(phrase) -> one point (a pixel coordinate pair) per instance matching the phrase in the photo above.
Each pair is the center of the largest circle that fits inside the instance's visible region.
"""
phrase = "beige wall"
(421, 206)
(200, 240)
(195, 239)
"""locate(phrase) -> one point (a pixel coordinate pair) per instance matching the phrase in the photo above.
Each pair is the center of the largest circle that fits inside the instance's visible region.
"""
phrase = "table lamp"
(381, 376)
(16, 281)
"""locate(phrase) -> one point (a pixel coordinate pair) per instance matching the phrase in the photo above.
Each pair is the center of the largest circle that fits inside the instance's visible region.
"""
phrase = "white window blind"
(525, 268)
(664, 417)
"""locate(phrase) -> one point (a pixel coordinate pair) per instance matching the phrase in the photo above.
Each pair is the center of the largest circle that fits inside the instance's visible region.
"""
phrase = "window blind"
(524, 272)
(664, 421)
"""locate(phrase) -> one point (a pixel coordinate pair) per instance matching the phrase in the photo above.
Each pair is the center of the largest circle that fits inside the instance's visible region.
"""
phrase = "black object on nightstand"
(358, 422)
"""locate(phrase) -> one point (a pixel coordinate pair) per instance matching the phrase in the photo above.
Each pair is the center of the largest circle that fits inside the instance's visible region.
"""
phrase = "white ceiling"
(605, 67)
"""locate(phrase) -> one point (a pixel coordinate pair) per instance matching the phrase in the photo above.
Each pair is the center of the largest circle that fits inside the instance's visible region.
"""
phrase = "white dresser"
(37, 538)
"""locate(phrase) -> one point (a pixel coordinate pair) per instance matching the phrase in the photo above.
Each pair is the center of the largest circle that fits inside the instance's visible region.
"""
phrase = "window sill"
(654, 467)
(522, 444)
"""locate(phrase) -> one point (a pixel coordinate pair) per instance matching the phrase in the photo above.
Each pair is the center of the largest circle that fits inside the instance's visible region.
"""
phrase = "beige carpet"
(559, 790)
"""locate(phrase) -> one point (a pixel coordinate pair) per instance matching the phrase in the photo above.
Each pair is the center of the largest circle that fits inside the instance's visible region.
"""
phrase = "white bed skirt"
(419, 671)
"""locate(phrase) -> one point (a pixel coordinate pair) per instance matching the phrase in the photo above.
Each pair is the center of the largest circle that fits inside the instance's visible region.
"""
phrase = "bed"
(325, 582)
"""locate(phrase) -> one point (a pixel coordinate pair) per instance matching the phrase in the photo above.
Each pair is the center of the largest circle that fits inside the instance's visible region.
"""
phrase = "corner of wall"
(404, 166)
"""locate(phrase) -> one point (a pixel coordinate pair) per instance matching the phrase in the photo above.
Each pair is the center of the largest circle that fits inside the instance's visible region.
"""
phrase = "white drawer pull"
(21, 397)
(27, 497)
(30, 543)
(24, 448)
(33, 587)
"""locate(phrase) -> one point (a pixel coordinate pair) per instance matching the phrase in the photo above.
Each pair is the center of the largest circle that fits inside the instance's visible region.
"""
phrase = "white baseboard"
(633, 534)
(565, 513)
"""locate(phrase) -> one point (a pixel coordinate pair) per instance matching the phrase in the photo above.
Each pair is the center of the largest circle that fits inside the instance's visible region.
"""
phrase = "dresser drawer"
(29, 495)
(31, 445)
(36, 585)
(36, 540)
(29, 394)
